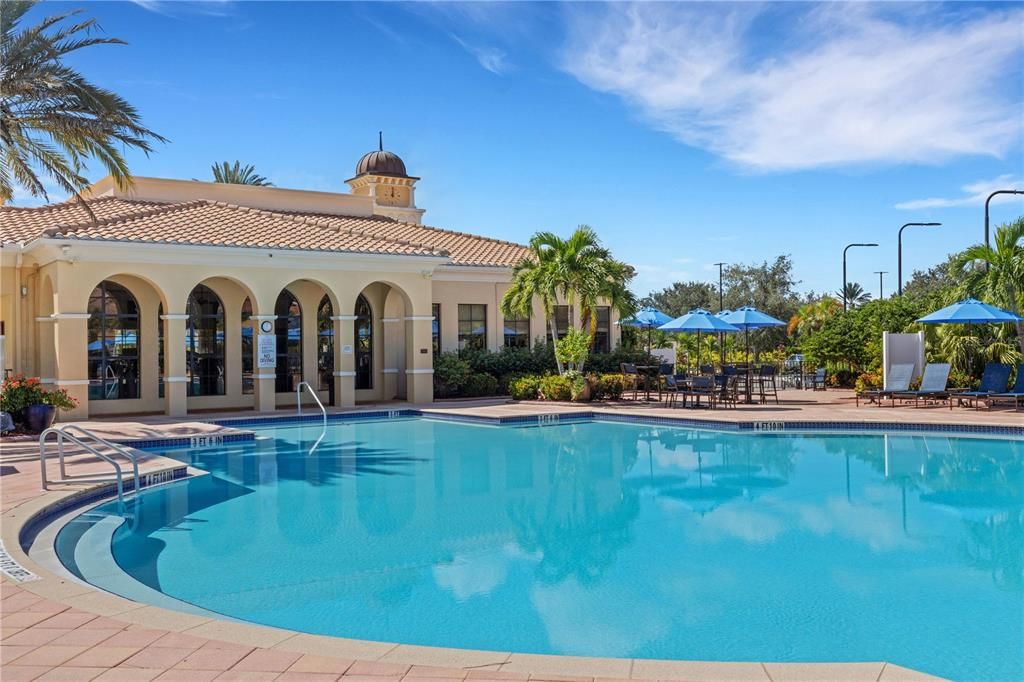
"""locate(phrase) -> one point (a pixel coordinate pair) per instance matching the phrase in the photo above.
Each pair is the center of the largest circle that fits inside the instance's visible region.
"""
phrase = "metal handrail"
(298, 399)
(61, 435)
(116, 447)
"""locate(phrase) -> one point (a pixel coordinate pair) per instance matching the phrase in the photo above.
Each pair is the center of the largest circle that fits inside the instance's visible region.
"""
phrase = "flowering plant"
(19, 392)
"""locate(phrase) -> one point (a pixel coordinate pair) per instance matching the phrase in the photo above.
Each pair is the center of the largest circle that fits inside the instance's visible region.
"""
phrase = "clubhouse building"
(177, 296)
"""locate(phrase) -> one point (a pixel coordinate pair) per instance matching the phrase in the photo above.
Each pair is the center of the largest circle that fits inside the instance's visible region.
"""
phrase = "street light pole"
(899, 252)
(998, 191)
(848, 247)
(881, 291)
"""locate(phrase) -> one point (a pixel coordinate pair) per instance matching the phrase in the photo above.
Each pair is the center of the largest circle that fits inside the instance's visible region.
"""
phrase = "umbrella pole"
(746, 342)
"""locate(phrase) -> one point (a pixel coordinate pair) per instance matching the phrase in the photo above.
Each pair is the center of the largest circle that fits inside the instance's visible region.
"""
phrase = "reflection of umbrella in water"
(976, 505)
(700, 499)
(751, 483)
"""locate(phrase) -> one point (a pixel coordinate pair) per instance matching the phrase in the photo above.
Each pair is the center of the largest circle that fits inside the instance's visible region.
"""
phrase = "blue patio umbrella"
(696, 321)
(647, 318)
(747, 318)
(970, 311)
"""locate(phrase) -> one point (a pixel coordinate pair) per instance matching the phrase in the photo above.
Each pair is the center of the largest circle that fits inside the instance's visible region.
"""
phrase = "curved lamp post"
(848, 247)
(899, 251)
(998, 191)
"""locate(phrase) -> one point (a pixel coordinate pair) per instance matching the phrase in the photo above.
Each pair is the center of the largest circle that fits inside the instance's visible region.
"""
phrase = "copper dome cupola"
(381, 162)
(381, 176)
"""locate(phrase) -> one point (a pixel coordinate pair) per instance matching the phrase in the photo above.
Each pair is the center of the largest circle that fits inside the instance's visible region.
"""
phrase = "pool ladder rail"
(323, 410)
(93, 444)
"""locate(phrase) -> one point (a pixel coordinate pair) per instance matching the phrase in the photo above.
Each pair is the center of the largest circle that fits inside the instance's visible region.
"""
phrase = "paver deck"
(54, 628)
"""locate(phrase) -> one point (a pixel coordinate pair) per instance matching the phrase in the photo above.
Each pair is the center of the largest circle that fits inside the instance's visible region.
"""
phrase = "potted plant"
(573, 350)
(26, 401)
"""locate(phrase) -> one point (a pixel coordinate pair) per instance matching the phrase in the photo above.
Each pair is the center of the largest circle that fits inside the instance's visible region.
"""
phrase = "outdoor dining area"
(705, 386)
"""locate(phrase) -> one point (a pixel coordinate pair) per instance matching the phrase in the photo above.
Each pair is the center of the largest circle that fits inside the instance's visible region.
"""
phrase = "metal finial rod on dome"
(380, 139)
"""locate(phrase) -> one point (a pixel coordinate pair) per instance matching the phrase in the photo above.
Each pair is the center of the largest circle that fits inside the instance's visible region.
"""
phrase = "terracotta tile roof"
(215, 223)
(462, 248)
(211, 223)
(25, 224)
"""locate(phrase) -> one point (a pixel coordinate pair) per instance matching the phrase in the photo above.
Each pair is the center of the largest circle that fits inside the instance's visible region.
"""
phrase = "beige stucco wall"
(47, 330)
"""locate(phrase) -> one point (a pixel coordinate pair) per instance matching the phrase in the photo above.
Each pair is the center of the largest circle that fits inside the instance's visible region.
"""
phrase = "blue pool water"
(603, 539)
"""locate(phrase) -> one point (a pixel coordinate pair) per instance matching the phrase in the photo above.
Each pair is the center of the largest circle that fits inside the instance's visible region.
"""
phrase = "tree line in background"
(850, 343)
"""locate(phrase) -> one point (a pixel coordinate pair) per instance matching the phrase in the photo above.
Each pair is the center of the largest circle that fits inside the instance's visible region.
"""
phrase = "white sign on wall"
(266, 351)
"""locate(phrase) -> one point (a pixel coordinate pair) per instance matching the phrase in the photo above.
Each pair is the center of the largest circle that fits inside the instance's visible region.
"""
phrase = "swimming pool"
(593, 538)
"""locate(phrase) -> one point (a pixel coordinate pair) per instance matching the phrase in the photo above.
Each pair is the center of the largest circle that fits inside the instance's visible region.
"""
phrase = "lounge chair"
(933, 385)
(995, 379)
(897, 380)
(818, 380)
(1016, 394)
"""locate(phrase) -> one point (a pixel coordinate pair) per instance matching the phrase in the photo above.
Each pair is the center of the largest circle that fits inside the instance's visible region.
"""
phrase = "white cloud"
(837, 84)
(492, 59)
(975, 194)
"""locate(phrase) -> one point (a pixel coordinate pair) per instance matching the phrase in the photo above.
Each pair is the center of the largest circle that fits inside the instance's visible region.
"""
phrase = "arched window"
(113, 343)
(288, 329)
(248, 326)
(325, 344)
(364, 343)
(204, 343)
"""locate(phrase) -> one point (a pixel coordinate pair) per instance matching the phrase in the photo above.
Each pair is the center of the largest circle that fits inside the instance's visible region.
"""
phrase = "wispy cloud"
(214, 8)
(974, 194)
(492, 59)
(781, 87)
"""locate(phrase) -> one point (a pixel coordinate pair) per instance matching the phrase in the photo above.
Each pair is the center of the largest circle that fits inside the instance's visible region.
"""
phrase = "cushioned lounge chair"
(897, 380)
(994, 380)
(933, 385)
(1015, 394)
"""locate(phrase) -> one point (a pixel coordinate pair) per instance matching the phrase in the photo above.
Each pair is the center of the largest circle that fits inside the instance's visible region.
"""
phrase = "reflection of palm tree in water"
(997, 544)
(584, 521)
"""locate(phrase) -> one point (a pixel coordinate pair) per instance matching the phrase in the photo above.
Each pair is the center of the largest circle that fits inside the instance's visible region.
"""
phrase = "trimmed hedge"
(455, 372)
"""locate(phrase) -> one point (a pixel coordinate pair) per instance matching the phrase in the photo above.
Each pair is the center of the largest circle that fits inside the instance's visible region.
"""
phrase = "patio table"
(650, 372)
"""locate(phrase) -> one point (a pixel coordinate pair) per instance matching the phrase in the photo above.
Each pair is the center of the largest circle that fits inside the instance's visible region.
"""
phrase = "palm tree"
(854, 294)
(238, 174)
(53, 120)
(812, 316)
(996, 274)
(578, 269)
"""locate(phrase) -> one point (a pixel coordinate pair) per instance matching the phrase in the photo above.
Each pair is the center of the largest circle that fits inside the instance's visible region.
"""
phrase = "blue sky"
(686, 134)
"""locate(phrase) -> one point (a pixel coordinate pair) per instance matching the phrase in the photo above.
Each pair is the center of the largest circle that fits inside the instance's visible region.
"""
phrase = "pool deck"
(54, 628)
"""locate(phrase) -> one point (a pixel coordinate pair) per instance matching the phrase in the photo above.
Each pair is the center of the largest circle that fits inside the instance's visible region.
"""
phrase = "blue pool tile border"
(564, 418)
(99, 492)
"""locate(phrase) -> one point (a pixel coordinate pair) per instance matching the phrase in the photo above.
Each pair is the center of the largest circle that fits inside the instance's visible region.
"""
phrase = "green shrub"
(524, 387)
(610, 386)
(479, 385)
(451, 373)
(843, 378)
(555, 387)
(868, 381)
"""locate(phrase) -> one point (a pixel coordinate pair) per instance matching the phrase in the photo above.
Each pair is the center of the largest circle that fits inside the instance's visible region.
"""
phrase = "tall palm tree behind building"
(52, 119)
(238, 174)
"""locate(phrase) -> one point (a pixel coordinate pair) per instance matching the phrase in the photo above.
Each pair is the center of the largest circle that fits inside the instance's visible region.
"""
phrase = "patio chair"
(766, 384)
(632, 377)
(818, 380)
(702, 386)
(994, 379)
(707, 369)
(726, 390)
(1016, 393)
(897, 380)
(671, 389)
(933, 385)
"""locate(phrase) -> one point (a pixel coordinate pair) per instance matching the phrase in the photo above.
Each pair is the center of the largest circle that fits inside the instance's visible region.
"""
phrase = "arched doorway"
(325, 347)
(204, 343)
(364, 343)
(288, 328)
(113, 343)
